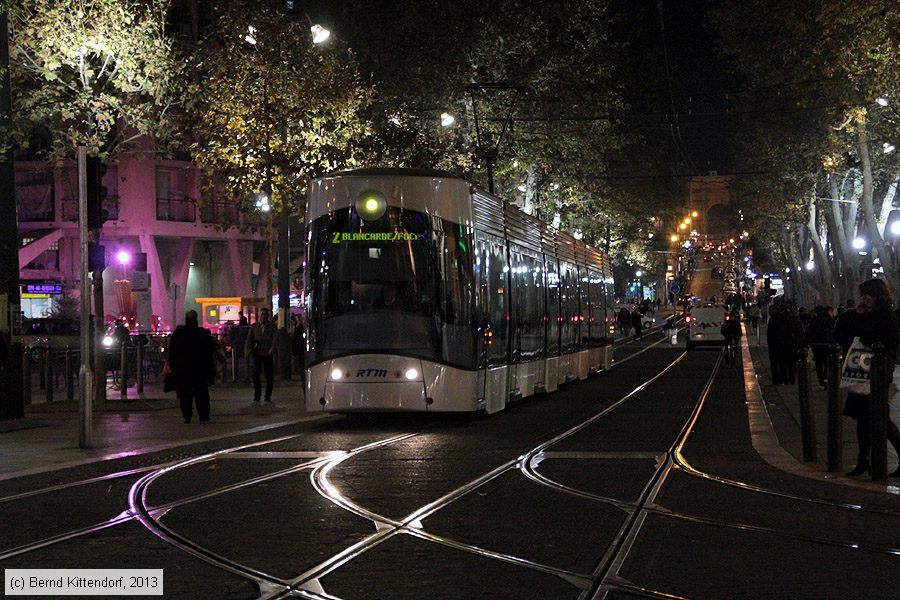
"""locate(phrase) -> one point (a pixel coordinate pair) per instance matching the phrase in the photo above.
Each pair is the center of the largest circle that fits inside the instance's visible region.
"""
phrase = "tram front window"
(382, 289)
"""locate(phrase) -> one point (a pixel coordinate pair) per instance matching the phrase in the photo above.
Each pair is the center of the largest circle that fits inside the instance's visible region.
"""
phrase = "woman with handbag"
(878, 325)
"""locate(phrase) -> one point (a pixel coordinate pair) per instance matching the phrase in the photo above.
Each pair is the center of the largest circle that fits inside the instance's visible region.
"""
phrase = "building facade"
(194, 246)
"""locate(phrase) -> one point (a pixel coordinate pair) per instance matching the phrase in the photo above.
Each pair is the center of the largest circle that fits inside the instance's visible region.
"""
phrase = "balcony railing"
(70, 208)
(220, 213)
(176, 209)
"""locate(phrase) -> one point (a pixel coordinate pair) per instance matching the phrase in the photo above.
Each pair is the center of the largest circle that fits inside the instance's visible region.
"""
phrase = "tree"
(97, 73)
(822, 66)
(269, 110)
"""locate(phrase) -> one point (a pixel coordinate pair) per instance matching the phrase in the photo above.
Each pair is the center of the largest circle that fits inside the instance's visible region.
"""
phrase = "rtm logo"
(371, 373)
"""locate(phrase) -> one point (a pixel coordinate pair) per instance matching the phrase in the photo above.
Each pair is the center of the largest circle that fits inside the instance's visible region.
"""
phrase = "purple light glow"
(123, 257)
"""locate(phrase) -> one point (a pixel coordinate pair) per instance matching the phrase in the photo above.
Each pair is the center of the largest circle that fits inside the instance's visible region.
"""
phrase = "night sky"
(701, 85)
(691, 114)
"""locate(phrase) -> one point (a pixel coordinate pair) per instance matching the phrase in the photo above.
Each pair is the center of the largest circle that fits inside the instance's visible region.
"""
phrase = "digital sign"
(43, 288)
(375, 236)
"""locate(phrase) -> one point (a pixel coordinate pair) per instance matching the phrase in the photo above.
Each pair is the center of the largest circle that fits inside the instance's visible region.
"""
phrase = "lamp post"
(319, 35)
(489, 141)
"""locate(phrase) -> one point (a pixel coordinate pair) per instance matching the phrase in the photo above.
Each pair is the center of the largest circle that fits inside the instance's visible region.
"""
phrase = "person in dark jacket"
(819, 337)
(261, 346)
(191, 352)
(637, 324)
(774, 333)
(878, 325)
(4, 349)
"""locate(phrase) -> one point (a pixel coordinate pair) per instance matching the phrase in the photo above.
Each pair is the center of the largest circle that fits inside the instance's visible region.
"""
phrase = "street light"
(447, 119)
(319, 34)
(859, 243)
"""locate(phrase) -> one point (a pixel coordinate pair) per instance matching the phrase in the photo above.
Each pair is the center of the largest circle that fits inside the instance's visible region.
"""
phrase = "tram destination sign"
(374, 236)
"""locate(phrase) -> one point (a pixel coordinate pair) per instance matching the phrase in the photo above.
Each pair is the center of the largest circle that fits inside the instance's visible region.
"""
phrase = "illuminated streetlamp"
(319, 34)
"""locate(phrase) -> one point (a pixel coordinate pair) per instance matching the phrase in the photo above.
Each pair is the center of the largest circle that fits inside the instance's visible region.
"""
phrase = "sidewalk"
(47, 438)
(783, 405)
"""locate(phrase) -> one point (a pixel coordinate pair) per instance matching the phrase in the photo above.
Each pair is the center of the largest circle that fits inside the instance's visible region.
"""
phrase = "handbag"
(856, 373)
(169, 382)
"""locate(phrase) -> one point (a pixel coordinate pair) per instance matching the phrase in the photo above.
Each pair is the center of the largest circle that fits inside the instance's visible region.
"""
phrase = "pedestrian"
(819, 337)
(637, 324)
(4, 349)
(878, 324)
(774, 332)
(261, 346)
(191, 359)
(792, 338)
(754, 316)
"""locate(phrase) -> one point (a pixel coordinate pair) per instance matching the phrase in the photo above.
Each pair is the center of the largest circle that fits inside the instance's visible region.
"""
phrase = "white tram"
(423, 292)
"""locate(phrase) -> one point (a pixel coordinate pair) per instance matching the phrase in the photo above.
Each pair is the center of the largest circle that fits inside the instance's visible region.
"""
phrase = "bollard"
(835, 414)
(26, 375)
(42, 367)
(48, 363)
(70, 375)
(878, 410)
(123, 365)
(139, 349)
(807, 413)
(234, 365)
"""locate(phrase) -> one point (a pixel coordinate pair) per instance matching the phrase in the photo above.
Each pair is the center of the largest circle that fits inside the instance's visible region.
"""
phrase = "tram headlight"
(411, 374)
(336, 374)
(370, 205)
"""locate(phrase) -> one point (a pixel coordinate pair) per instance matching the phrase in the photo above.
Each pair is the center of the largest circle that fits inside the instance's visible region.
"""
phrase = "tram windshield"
(399, 285)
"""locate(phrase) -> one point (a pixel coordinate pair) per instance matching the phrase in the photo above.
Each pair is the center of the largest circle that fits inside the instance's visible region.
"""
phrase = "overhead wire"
(675, 129)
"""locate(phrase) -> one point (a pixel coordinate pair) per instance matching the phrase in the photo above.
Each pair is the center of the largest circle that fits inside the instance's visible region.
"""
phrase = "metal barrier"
(807, 411)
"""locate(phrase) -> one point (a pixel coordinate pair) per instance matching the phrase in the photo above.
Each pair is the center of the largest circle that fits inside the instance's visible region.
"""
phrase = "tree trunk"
(868, 208)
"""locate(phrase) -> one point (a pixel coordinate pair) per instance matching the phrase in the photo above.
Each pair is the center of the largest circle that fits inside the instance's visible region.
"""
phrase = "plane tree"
(821, 118)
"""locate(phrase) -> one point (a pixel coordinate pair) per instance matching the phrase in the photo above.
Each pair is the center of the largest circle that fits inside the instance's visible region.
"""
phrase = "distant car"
(49, 332)
(704, 324)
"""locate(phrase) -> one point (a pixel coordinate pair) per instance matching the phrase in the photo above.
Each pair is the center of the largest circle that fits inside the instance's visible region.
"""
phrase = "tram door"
(493, 314)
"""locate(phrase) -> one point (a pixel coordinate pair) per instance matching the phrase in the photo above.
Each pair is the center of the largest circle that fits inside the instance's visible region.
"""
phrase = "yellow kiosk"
(217, 312)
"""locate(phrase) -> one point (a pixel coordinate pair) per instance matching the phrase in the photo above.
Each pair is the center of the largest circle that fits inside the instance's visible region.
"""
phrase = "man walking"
(191, 360)
(261, 345)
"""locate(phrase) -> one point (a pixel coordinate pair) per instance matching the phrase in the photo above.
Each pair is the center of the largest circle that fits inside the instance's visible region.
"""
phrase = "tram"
(425, 293)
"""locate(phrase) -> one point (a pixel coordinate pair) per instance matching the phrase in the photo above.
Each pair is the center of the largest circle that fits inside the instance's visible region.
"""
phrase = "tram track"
(308, 585)
(606, 578)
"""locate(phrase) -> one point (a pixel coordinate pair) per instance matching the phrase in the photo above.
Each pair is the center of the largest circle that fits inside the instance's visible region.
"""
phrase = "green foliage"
(98, 73)
(813, 70)
(271, 115)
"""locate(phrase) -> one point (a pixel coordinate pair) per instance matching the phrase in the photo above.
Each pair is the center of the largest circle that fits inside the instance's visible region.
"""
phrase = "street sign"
(675, 288)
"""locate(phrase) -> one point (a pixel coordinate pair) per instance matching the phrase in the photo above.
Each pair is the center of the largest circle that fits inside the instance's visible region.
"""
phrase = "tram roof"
(373, 171)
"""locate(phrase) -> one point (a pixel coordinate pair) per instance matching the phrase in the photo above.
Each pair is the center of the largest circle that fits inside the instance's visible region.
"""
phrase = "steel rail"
(412, 523)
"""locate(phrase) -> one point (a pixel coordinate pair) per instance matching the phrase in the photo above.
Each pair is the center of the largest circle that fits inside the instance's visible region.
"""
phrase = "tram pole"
(85, 379)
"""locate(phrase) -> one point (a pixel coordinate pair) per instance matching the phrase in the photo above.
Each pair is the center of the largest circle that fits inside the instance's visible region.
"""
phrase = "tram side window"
(584, 304)
(569, 307)
(527, 307)
(457, 287)
(597, 314)
(494, 296)
(553, 314)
